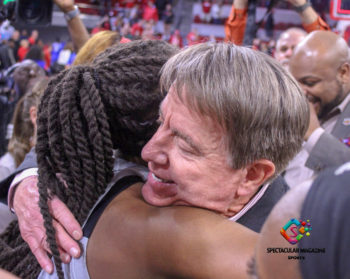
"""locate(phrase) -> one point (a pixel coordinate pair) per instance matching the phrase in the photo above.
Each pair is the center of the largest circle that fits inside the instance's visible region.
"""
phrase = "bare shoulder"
(134, 237)
(6, 275)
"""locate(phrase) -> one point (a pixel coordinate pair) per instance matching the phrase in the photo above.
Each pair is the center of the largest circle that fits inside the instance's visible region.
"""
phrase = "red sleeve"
(235, 26)
(318, 24)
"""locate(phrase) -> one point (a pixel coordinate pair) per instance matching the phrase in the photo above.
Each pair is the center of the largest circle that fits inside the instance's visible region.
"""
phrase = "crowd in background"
(133, 19)
(129, 20)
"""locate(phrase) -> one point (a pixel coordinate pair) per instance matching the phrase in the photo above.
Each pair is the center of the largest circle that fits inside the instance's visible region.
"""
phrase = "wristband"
(300, 9)
(72, 14)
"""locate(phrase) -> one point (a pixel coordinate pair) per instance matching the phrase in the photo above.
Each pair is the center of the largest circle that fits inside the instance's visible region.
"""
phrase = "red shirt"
(31, 40)
(129, 4)
(192, 39)
(176, 40)
(136, 28)
(150, 13)
(22, 52)
(206, 6)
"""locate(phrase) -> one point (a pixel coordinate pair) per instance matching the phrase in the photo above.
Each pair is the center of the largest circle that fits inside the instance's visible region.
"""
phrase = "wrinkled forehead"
(289, 39)
(196, 102)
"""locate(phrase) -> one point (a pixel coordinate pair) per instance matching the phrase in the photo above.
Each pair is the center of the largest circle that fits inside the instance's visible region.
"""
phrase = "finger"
(63, 215)
(65, 258)
(65, 242)
(40, 254)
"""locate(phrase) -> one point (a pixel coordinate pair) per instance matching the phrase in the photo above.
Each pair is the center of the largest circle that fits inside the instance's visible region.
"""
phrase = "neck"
(239, 204)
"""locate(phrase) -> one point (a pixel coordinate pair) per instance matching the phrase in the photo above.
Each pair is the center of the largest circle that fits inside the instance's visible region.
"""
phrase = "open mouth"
(156, 178)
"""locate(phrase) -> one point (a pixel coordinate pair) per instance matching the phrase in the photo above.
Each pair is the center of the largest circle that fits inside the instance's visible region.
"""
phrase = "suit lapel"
(341, 129)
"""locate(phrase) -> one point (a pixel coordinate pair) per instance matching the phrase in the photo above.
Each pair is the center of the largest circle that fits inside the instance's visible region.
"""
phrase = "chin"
(151, 198)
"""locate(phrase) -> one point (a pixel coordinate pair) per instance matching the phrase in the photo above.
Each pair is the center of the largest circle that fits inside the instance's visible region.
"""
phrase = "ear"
(256, 174)
(344, 73)
(32, 114)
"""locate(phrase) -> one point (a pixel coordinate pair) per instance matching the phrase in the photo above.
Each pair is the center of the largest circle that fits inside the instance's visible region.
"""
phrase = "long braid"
(85, 113)
(47, 175)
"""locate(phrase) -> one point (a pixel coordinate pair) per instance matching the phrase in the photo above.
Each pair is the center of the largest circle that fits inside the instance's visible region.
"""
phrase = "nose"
(289, 52)
(305, 89)
(311, 98)
(155, 151)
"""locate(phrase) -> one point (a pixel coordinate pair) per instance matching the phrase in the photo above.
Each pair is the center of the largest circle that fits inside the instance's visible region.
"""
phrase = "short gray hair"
(256, 101)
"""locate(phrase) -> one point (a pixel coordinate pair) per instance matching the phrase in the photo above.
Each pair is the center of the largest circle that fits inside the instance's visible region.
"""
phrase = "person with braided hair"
(74, 153)
(85, 114)
(218, 147)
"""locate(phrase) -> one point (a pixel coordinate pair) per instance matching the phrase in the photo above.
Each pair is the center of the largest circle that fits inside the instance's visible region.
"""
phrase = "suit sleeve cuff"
(18, 178)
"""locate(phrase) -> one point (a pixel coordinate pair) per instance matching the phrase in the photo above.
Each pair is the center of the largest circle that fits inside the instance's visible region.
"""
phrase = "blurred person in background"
(96, 44)
(23, 49)
(311, 21)
(15, 40)
(34, 37)
(168, 18)
(19, 79)
(22, 140)
(24, 129)
(150, 12)
(36, 54)
(321, 65)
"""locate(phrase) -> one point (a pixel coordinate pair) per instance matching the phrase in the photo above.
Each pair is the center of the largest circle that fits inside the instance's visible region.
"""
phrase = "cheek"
(278, 55)
(327, 93)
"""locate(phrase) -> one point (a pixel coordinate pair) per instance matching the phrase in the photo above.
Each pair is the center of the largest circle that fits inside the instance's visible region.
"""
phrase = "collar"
(340, 108)
(343, 104)
(337, 110)
(251, 203)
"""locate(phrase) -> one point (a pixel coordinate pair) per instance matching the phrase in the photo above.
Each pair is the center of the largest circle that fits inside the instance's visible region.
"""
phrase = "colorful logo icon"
(298, 229)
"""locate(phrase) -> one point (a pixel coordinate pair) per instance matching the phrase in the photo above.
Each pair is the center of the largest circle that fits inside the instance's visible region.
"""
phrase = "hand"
(32, 229)
(314, 123)
(65, 5)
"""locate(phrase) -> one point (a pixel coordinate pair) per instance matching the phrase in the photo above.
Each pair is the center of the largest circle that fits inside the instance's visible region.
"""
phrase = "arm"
(6, 275)
(324, 149)
(310, 19)
(76, 27)
(170, 242)
(327, 152)
(235, 24)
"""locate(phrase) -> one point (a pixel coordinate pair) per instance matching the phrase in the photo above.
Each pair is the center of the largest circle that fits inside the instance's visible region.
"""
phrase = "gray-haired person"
(231, 121)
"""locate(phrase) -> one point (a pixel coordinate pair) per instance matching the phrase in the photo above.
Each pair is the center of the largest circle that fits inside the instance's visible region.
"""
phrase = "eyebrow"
(310, 77)
(188, 140)
(181, 135)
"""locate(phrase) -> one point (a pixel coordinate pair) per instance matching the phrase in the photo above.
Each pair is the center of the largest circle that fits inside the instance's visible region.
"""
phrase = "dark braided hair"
(85, 114)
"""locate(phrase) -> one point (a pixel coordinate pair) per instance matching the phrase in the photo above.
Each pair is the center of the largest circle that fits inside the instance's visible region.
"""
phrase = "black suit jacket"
(255, 217)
